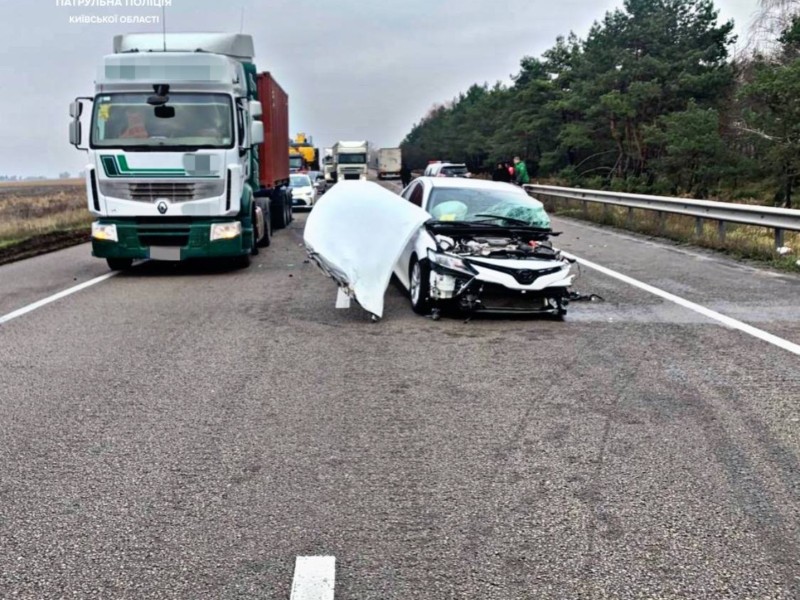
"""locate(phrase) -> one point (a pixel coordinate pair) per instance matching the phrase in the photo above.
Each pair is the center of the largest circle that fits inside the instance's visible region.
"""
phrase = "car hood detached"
(356, 234)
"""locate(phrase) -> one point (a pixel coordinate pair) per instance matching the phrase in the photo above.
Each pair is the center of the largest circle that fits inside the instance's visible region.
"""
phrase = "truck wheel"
(119, 264)
(288, 204)
(265, 241)
(278, 211)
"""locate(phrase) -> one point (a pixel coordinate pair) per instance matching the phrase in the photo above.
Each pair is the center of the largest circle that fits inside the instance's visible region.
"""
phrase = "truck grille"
(152, 191)
(163, 231)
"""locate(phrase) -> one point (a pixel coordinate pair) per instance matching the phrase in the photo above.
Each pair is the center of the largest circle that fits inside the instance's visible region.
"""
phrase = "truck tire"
(278, 210)
(288, 203)
(119, 264)
(265, 241)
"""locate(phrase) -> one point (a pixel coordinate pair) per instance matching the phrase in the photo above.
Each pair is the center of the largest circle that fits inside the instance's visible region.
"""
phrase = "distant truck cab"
(350, 161)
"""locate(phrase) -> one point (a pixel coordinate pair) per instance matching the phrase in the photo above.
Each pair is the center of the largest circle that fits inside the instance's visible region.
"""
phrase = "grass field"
(742, 241)
(33, 208)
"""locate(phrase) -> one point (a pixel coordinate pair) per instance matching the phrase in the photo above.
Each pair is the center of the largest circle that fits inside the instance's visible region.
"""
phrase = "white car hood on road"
(356, 234)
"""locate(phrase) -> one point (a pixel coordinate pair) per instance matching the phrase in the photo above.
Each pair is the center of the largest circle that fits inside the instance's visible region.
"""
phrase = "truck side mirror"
(255, 109)
(75, 109)
(75, 132)
(256, 133)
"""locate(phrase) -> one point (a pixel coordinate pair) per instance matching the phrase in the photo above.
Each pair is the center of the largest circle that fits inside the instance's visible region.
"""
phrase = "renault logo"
(162, 207)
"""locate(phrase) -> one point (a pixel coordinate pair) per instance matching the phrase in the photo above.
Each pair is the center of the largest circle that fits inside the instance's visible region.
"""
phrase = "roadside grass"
(34, 208)
(741, 241)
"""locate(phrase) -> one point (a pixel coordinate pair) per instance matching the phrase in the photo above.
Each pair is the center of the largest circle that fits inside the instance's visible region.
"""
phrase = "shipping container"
(273, 161)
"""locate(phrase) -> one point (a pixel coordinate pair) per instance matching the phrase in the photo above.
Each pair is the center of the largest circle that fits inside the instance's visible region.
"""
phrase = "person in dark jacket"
(405, 175)
(500, 173)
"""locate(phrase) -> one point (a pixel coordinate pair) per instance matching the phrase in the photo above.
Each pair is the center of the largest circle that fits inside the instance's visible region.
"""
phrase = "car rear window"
(454, 171)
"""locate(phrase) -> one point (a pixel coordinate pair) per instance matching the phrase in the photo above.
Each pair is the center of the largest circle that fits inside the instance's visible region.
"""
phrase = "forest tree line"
(652, 100)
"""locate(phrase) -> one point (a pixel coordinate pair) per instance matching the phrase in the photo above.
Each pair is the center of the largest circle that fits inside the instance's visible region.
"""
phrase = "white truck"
(390, 161)
(327, 165)
(173, 169)
(350, 160)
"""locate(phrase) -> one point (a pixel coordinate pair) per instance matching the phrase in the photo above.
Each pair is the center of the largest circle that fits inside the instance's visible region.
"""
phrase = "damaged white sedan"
(475, 246)
(486, 248)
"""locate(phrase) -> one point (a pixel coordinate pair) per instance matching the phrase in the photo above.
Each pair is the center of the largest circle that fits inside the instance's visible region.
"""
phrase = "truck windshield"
(127, 121)
(352, 159)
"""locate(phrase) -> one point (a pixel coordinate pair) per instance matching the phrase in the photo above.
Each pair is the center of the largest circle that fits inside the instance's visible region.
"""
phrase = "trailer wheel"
(278, 211)
(119, 264)
(265, 241)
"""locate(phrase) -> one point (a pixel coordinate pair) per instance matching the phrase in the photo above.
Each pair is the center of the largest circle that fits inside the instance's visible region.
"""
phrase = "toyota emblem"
(162, 207)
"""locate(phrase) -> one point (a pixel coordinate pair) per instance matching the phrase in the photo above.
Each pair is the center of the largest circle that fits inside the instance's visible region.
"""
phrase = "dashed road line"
(314, 578)
(63, 294)
(707, 312)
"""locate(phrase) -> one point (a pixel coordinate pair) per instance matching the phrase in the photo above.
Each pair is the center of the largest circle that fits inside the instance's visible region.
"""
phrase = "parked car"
(303, 191)
(486, 248)
(446, 169)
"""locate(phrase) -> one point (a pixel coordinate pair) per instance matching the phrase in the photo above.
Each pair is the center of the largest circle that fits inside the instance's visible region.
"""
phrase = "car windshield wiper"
(501, 218)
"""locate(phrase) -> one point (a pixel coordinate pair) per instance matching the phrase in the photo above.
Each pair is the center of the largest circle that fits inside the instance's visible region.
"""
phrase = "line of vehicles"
(189, 156)
(189, 153)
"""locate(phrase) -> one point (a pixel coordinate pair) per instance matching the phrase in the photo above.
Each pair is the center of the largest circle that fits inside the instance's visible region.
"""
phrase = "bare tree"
(769, 22)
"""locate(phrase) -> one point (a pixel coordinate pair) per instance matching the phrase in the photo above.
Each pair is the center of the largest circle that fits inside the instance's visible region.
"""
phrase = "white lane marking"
(711, 314)
(31, 307)
(314, 578)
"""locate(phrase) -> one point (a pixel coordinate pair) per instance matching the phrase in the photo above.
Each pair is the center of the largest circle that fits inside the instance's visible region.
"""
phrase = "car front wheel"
(419, 275)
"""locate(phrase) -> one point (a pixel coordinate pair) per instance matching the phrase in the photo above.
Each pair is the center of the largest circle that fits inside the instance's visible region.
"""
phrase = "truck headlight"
(104, 232)
(225, 231)
(450, 262)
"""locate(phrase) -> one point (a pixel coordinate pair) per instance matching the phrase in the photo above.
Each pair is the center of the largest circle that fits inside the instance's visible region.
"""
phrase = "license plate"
(165, 253)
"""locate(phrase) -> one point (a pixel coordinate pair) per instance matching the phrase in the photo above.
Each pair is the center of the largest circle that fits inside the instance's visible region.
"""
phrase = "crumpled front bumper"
(549, 294)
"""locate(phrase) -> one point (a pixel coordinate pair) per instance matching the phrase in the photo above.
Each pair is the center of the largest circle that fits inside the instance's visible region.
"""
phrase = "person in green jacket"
(521, 172)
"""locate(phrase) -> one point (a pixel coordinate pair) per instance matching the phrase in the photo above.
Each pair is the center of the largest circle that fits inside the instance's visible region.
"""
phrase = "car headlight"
(104, 232)
(450, 262)
(225, 231)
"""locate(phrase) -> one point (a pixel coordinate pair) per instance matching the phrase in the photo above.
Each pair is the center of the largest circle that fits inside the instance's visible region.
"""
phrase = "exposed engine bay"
(490, 268)
(499, 247)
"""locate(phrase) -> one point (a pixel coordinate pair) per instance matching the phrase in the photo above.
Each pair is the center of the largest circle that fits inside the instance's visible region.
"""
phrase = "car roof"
(480, 184)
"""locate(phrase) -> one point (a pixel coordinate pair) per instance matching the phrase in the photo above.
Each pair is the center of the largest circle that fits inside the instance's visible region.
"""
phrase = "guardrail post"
(606, 218)
(698, 227)
(721, 230)
(585, 209)
(778, 238)
(662, 222)
(629, 219)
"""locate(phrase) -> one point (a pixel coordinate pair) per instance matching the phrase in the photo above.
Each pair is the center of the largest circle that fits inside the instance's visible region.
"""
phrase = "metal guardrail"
(779, 219)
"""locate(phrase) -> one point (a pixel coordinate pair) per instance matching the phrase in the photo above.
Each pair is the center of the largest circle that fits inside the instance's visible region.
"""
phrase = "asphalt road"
(189, 431)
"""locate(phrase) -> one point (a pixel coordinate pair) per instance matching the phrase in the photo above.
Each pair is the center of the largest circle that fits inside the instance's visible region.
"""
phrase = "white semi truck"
(350, 160)
(390, 161)
(173, 150)
(327, 165)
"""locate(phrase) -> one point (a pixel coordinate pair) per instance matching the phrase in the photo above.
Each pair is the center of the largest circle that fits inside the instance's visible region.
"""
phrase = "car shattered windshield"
(486, 206)
(128, 121)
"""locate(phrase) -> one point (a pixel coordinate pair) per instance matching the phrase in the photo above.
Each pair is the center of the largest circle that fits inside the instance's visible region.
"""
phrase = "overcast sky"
(354, 69)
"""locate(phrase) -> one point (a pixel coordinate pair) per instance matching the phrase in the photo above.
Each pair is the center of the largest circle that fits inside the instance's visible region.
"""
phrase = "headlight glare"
(225, 231)
(104, 232)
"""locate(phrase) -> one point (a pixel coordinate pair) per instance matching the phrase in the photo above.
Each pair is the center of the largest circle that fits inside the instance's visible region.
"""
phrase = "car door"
(414, 194)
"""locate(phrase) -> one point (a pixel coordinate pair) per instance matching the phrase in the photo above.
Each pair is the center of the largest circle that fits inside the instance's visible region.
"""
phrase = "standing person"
(521, 176)
(405, 175)
(500, 173)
